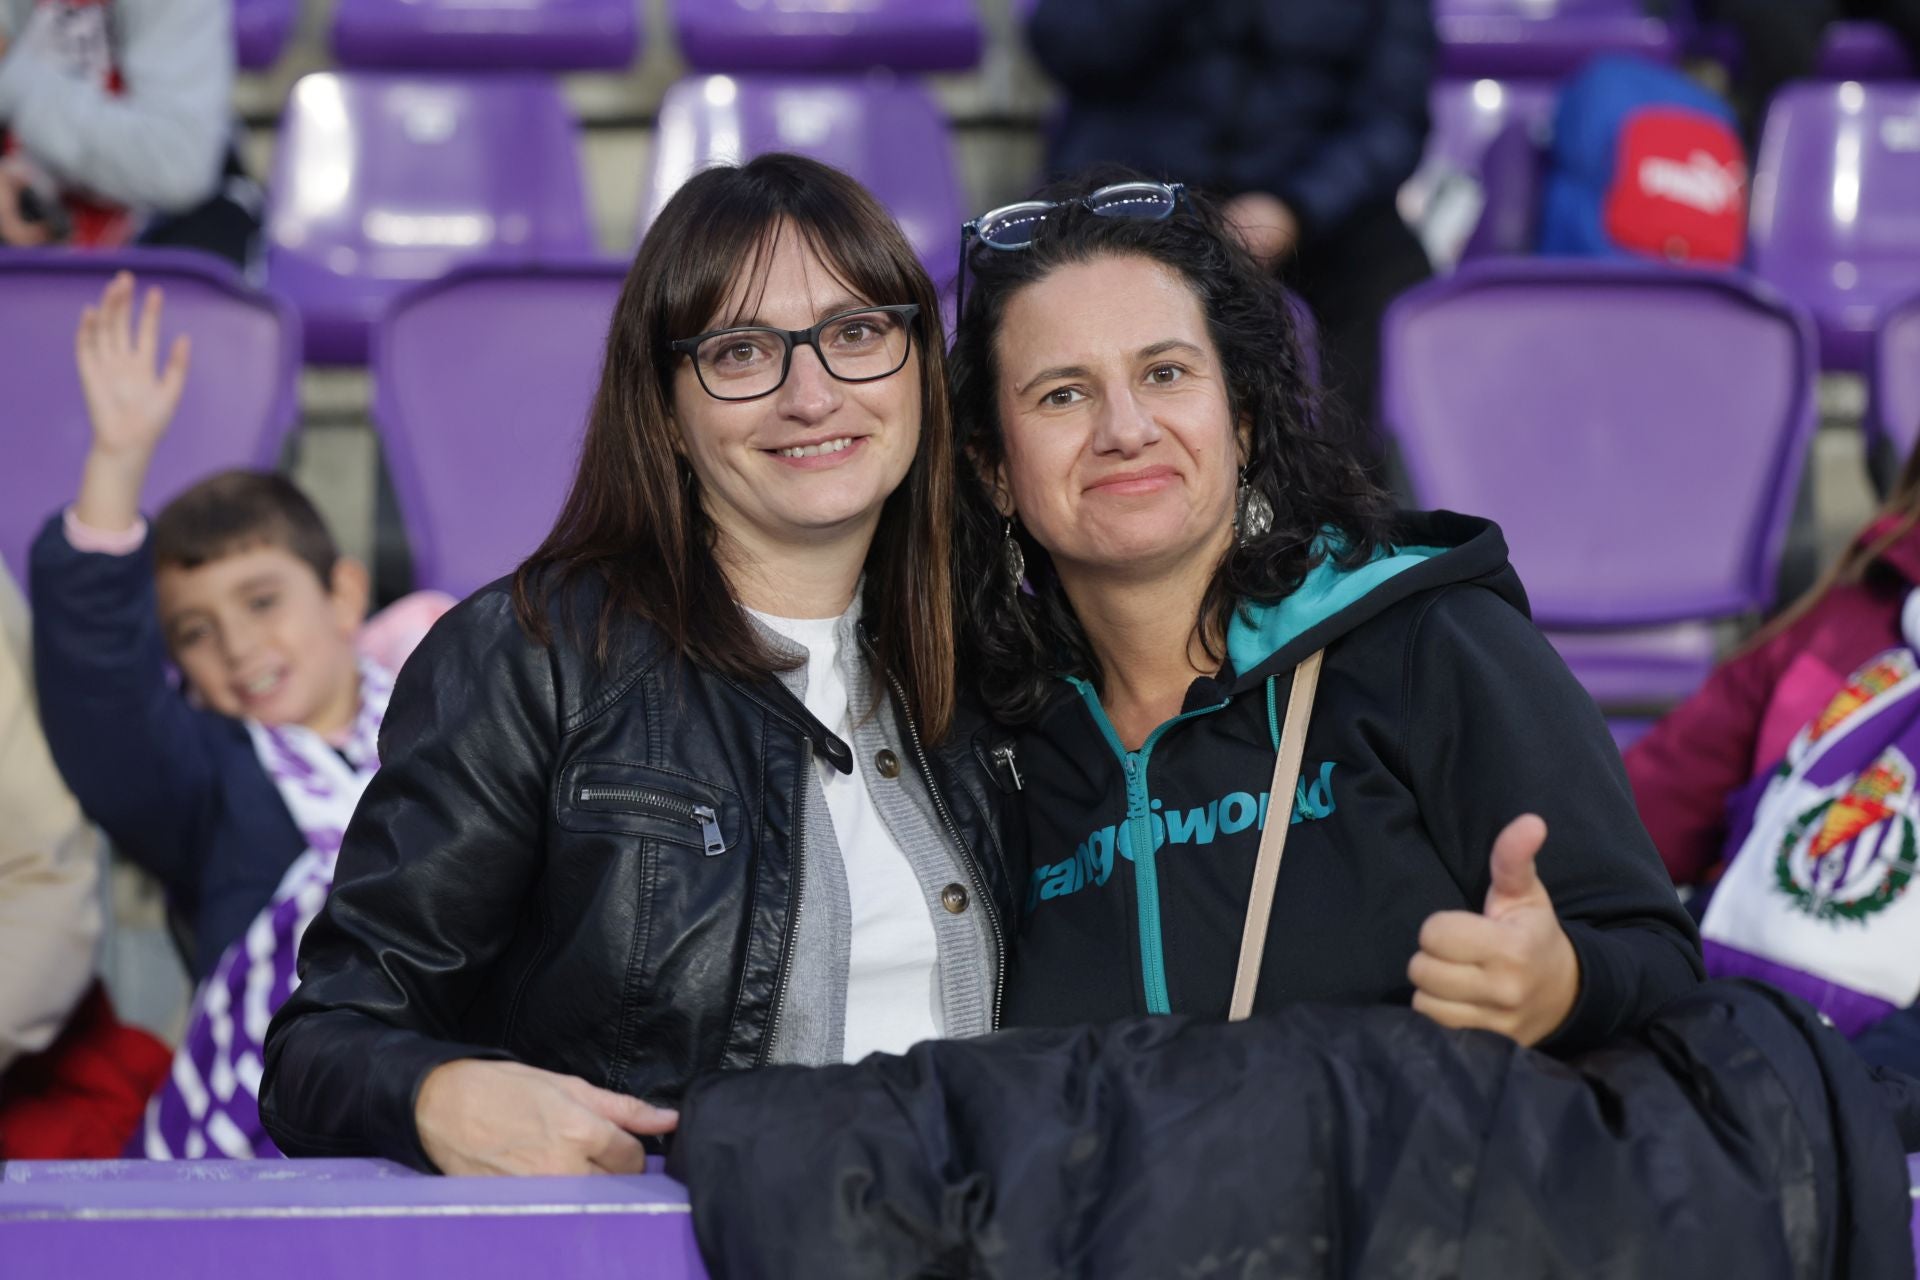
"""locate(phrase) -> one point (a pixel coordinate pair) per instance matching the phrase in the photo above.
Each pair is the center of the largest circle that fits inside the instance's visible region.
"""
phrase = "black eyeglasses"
(750, 361)
(1016, 226)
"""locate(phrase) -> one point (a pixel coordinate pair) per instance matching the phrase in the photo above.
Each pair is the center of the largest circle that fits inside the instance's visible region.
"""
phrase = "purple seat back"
(1488, 131)
(1893, 390)
(1544, 38)
(1637, 431)
(887, 133)
(238, 408)
(1836, 207)
(527, 35)
(308, 1219)
(828, 35)
(260, 30)
(382, 180)
(482, 384)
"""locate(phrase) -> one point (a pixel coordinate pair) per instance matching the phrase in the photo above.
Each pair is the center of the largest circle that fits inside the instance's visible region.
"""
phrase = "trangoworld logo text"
(1092, 861)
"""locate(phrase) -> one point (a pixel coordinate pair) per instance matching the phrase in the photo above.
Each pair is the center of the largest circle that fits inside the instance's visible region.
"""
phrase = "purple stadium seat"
(1893, 387)
(1834, 195)
(382, 180)
(886, 132)
(238, 408)
(486, 35)
(482, 383)
(1637, 431)
(828, 35)
(1544, 38)
(260, 30)
(317, 1219)
(1477, 189)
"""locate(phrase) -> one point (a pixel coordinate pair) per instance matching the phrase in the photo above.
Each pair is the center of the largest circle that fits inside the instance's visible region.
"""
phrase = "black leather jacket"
(585, 867)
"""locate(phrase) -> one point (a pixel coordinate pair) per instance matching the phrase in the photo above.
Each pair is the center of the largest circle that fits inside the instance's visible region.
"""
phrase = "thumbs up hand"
(1509, 968)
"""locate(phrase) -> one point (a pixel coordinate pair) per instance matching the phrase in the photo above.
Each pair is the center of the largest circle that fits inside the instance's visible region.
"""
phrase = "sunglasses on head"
(1016, 226)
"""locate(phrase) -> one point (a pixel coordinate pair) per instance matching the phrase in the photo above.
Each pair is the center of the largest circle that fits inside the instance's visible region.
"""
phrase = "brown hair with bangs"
(234, 511)
(634, 516)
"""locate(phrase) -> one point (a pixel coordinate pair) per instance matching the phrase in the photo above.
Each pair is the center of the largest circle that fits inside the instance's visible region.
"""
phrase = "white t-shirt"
(892, 1001)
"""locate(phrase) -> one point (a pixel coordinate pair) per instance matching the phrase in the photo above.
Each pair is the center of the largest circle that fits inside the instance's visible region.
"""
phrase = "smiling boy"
(239, 585)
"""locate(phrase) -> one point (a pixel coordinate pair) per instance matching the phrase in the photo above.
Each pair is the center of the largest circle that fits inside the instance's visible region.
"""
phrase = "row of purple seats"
(1637, 431)
(1835, 187)
(382, 180)
(573, 35)
(1544, 39)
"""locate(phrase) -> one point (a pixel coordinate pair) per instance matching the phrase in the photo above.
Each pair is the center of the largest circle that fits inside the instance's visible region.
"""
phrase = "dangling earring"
(1253, 514)
(1014, 558)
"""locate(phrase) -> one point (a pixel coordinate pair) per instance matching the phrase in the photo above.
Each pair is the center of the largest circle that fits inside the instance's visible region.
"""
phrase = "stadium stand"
(383, 179)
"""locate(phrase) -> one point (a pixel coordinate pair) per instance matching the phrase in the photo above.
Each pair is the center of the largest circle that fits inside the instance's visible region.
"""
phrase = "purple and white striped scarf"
(1819, 898)
(210, 1104)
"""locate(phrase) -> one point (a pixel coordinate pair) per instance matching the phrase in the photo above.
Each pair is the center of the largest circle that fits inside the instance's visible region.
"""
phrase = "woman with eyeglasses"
(1176, 575)
(692, 790)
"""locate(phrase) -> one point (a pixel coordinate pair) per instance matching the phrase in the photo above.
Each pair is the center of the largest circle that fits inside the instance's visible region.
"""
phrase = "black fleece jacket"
(1442, 714)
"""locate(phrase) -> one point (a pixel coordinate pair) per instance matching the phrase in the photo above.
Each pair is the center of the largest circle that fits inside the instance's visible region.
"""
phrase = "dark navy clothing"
(178, 789)
(1322, 103)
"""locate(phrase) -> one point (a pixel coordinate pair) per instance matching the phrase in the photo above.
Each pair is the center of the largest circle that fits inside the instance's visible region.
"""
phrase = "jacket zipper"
(666, 806)
(966, 853)
(1004, 753)
(785, 978)
(1146, 870)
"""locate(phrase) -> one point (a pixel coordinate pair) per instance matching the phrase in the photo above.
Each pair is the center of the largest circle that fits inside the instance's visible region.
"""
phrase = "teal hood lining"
(1259, 631)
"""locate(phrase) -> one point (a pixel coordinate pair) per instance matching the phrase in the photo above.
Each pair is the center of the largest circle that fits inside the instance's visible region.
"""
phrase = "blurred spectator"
(1780, 41)
(240, 587)
(235, 795)
(1833, 677)
(1304, 116)
(72, 1078)
(116, 126)
(49, 862)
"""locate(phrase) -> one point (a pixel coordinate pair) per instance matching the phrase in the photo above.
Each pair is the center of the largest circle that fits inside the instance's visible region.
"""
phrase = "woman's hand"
(480, 1117)
(1509, 969)
(130, 400)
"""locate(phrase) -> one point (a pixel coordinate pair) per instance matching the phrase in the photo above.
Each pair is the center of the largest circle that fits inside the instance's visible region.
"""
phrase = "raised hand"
(130, 398)
(479, 1117)
(1509, 968)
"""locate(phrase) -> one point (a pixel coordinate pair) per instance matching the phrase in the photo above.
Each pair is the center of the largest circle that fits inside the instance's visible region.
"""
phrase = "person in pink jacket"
(1704, 774)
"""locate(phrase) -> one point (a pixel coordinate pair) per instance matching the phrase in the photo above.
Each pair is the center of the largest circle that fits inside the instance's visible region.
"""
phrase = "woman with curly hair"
(1173, 570)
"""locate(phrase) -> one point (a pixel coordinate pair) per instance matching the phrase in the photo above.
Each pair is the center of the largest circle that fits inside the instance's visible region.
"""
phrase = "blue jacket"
(1320, 102)
(176, 788)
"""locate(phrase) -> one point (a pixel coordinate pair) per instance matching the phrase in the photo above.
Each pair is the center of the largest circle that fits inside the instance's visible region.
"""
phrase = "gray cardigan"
(813, 1030)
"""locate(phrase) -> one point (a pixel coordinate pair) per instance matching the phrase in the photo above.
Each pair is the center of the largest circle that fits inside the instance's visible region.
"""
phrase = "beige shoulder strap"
(1273, 837)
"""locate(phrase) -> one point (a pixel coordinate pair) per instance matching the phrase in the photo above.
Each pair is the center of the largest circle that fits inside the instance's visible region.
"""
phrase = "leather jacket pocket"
(655, 804)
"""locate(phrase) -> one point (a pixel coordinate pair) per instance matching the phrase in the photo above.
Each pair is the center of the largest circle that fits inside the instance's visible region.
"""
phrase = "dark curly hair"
(1311, 461)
